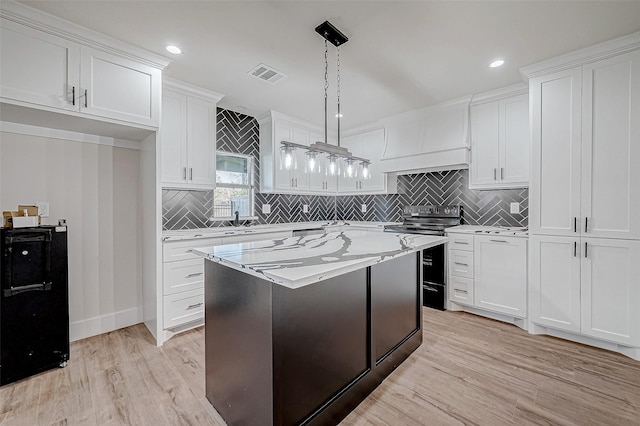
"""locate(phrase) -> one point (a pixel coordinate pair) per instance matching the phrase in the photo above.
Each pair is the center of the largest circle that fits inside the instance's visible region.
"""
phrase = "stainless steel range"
(430, 220)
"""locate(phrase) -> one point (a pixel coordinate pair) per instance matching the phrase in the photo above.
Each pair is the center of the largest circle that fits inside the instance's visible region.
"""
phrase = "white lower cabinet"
(184, 307)
(589, 286)
(183, 278)
(501, 275)
(183, 282)
(488, 274)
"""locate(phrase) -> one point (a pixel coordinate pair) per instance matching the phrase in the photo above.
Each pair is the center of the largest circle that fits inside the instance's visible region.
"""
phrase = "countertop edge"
(332, 272)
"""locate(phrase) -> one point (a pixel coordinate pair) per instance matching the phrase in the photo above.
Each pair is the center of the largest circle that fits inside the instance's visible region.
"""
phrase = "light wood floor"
(469, 370)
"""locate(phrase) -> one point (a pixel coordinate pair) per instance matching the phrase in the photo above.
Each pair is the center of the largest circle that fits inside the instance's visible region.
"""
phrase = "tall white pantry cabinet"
(585, 196)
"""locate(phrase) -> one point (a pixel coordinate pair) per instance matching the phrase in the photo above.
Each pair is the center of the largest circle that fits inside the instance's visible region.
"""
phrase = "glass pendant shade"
(350, 168)
(288, 160)
(333, 166)
(313, 164)
(366, 171)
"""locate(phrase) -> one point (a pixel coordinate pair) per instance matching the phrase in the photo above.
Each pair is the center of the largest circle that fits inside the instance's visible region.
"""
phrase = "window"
(234, 186)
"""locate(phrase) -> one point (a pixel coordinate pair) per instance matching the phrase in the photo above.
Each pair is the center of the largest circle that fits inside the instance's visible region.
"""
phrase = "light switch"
(266, 208)
(515, 208)
(363, 208)
(305, 208)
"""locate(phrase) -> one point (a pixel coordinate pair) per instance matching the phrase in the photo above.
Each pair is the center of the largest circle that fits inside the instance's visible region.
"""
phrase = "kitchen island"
(300, 330)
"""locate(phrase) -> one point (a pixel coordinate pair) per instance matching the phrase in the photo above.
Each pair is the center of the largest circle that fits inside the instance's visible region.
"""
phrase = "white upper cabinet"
(368, 144)
(500, 143)
(53, 67)
(39, 68)
(188, 136)
(115, 87)
(586, 145)
(610, 201)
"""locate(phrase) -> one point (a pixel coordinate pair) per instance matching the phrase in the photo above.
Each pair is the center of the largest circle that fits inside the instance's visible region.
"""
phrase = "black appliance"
(34, 306)
(430, 220)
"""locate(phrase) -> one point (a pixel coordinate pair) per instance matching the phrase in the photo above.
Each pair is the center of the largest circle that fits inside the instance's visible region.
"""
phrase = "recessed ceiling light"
(496, 63)
(339, 115)
(172, 48)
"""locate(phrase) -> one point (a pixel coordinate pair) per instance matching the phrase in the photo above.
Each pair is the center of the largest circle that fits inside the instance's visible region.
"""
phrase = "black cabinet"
(34, 308)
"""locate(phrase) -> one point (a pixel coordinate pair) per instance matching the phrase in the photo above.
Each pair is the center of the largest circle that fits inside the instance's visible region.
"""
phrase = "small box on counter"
(24, 217)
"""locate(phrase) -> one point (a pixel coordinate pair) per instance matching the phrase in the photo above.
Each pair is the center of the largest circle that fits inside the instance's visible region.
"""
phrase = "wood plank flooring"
(469, 371)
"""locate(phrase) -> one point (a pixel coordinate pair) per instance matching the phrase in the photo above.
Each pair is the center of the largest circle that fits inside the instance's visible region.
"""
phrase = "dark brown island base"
(309, 355)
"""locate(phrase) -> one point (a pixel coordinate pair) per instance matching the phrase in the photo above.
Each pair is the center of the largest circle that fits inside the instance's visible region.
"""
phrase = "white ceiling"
(400, 55)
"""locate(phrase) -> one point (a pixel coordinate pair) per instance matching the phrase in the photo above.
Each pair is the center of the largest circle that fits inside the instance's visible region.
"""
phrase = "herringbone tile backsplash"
(182, 209)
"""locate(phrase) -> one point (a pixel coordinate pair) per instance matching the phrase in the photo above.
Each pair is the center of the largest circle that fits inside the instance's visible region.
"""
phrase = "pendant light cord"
(338, 73)
(326, 86)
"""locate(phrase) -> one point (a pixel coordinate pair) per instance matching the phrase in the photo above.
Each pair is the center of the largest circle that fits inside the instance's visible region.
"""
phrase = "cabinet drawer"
(461, 290)
(461, 242)
(184, 307)
(461, 263)
(181, 250)
(183, 275)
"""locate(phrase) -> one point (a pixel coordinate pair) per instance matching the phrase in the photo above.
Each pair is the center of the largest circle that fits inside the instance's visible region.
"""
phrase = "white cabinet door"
(39, 68)
(501, 274)
(514, 140)
(201, 137)
(281, 175)
(555, 282)
(484, 144)
(173, 138)
(369, 145)
(611, 290)
(461, 263)
(611, 148)
(119, 88)
(555, 176)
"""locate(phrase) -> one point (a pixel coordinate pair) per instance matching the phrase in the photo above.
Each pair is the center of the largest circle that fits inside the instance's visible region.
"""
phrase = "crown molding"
(504, 92)
(191, 90)
(580, 57)
(59, 27)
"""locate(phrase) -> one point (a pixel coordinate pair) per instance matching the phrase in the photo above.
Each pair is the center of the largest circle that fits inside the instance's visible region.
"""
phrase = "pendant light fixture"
(334, 152)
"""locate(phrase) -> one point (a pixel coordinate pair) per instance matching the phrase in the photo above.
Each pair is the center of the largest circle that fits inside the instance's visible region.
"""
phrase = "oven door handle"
(429, 288)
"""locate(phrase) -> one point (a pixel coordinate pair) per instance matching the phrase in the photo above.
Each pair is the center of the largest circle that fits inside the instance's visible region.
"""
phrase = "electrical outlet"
(266, 208)
(43, 208)
(363, 208)
(305, 208)
(515, 207)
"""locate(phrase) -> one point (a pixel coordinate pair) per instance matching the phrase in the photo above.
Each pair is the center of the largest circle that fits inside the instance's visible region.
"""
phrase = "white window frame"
(250, 186)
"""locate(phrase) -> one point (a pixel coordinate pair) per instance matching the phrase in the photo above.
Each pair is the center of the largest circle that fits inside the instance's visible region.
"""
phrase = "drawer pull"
(499, 241)
(457, 290)
(197, 305)
(461, 242)
(195, 274)
(461, 264)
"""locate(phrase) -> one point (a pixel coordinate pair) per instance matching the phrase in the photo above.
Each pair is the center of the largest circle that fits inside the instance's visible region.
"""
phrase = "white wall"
(95, 188)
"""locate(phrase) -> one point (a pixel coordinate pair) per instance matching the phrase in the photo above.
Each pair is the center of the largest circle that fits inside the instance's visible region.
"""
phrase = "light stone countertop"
(295, 262)
(190, 234)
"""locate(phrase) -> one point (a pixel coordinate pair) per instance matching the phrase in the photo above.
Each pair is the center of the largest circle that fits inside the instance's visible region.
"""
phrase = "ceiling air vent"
(266, 73)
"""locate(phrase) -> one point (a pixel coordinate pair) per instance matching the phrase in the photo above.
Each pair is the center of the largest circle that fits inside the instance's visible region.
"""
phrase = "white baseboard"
(104, 323)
